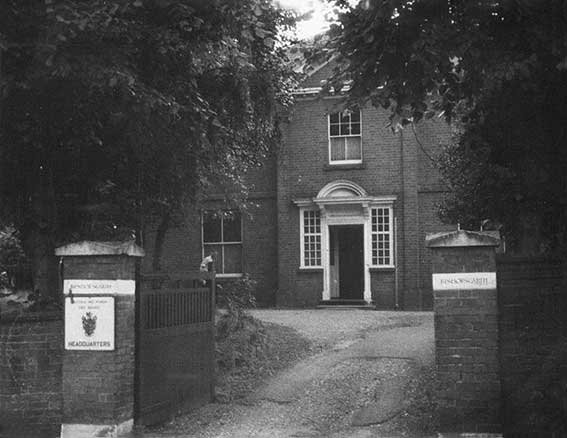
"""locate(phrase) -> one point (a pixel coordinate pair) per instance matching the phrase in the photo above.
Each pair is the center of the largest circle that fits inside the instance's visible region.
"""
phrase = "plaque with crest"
(89, 323)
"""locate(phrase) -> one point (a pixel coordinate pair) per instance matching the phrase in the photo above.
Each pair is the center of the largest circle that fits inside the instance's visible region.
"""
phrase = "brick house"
(339, 214)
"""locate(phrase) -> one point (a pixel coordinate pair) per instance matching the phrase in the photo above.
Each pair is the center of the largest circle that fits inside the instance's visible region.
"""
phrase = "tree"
(497, 71)
(113, 111)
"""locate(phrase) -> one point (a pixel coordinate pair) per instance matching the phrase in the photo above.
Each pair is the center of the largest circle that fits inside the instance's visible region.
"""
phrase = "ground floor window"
(310, 238)
(222, 239)
(382, 232)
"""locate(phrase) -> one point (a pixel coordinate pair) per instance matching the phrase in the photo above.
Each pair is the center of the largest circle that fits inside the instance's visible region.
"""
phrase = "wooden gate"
(174, 344)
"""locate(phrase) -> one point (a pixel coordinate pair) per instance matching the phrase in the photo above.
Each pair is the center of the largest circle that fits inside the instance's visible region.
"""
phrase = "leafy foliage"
(497, 70)
(240, 339)
(116, 111)
(113, 108)
(235, 296)
(11, 254)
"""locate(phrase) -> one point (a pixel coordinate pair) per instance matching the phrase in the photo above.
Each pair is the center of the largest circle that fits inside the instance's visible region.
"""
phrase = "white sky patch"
(317, 23)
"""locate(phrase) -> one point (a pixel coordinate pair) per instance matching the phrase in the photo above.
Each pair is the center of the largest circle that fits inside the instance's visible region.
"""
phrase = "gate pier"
(99, 354)
(466, 330)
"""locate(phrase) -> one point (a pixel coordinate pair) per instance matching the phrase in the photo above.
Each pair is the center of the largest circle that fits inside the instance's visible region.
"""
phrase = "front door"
(346, 262)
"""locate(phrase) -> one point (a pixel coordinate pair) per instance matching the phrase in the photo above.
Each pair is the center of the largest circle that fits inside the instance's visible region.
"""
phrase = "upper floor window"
(222, 239)
(345, 137)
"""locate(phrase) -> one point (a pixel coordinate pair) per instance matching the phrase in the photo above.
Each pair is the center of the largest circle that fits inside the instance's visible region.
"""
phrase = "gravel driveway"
(364, 380)
(331, 327)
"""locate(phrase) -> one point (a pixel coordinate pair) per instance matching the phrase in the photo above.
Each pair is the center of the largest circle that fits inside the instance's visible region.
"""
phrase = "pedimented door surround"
(344, 202)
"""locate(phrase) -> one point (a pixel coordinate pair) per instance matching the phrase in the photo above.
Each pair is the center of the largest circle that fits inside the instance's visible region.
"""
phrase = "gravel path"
(362, 381)
(331, 327)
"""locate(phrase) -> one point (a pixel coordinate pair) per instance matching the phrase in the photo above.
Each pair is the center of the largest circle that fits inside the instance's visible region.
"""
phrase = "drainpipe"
(403, 206)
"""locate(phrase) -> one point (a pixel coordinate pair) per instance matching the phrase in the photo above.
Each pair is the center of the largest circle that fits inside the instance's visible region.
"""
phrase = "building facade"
(337, 216)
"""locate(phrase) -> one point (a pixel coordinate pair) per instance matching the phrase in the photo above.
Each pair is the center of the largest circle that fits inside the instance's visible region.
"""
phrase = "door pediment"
(341, 189)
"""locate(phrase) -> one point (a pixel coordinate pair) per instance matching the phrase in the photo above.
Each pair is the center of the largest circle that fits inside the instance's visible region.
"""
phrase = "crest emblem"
(89, 323)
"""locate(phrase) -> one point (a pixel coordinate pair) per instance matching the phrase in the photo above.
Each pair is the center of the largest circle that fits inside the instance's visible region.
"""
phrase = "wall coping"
(92, 248)
(462, 238)
(25, 317)
(527, 259)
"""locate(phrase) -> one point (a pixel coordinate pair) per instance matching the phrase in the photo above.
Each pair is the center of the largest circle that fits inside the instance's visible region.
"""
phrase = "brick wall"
(31, 348)
(383, 284)
(466, 345)
(260, 248)
(533, 346)
(424, 190)
(408, 221)
(429, 222)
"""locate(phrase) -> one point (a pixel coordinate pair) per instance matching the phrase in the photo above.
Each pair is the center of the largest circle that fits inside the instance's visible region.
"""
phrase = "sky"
(317, 23)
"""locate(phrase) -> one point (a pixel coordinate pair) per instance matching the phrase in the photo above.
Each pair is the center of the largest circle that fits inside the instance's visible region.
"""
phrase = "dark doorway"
(347, 261)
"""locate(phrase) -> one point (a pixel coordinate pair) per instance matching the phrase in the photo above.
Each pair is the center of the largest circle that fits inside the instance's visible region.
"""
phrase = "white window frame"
(376, 233)
(303, 235)
(222, 243)
(345, 137)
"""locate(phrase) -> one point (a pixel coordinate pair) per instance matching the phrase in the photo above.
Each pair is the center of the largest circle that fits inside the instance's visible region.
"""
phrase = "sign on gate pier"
(89, 312)
(464, 280)
(89, 323)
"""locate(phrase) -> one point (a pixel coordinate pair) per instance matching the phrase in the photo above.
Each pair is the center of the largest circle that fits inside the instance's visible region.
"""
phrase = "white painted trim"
(309, 91)
(367, 248)
(340, 163)
(320, 66)
(341, 184)
(221, 276)
(308, 202)
(325, 258)
(99, 287)
(378, 201)
(96, 430)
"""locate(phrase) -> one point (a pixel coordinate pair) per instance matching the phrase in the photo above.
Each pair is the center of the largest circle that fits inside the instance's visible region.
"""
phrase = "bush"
(16, 294)
(240, 339)
(235, 297)
(11, 256)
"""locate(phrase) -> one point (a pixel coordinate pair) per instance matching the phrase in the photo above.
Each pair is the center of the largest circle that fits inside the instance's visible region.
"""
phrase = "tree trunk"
(2, 85)
(159, 241)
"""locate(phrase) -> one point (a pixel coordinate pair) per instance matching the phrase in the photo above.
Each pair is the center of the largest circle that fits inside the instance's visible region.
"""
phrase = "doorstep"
(469, 435)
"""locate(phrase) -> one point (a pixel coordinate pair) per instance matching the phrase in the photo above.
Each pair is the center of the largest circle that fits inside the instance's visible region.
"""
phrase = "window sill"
(309, 269)
(345, 166)
(221, 276)
(381, 268)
